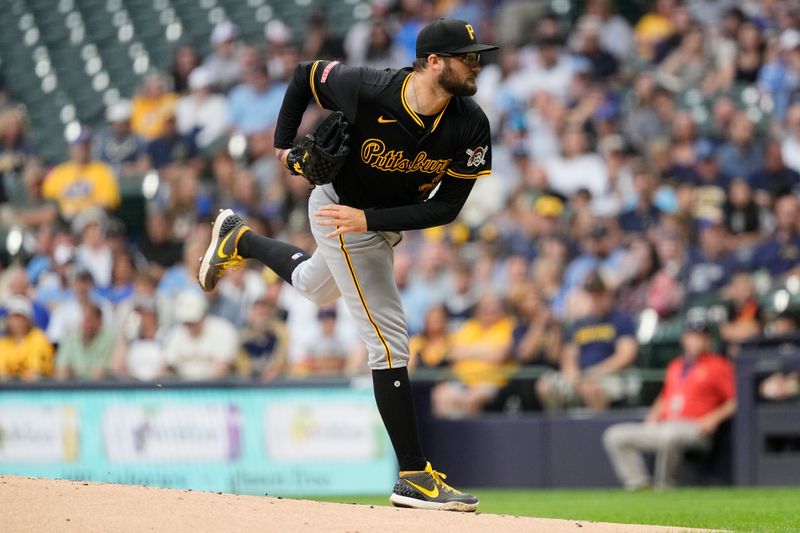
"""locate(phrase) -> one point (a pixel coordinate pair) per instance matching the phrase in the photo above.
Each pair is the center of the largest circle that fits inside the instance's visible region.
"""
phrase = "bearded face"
(454, 83)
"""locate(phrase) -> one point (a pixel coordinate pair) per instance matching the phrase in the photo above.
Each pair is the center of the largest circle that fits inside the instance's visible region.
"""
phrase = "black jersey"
(397, 158)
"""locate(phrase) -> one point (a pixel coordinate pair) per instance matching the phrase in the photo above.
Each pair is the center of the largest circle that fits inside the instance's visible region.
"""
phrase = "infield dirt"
(45, 505)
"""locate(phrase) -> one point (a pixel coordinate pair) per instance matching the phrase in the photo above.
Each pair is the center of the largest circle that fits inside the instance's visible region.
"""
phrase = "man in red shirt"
(698, 395)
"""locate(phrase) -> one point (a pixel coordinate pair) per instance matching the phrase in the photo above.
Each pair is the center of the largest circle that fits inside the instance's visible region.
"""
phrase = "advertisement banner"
(291, 441)
(164, 433)
(38, 434)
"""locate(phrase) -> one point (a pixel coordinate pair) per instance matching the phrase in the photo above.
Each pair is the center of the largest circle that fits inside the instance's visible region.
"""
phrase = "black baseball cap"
(449, 37)
(695, 325)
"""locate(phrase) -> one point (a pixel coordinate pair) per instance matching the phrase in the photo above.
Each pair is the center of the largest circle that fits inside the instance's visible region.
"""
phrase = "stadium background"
(608, 129)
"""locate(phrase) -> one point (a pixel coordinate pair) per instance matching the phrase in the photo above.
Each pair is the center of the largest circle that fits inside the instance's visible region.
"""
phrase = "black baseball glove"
(320, 155)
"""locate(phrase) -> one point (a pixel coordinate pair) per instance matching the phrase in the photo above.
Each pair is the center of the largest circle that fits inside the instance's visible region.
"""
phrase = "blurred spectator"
(790, 147)
(431, 348)
(641, 122)
(25, 352)
(773, 178)
(588, 45)
(577, 168)
(183, 276)
(461, 296)
(152, 106)
(158, 245)
(139, 352)
(202, 113)
(170, 150)
(782, 332)
(281, 53)
(184, 60)
(537, 334)
(644, 214)
(67, 314)
(614, 31)
(743, 154)
(81, 182)
(326, 353)
(709, 266)
(745, 315)
(698, 395)
(689, 63)
(223, 62)
(118, 146)
(318, 42)
(381, 50)
(779, 77)
(638, 268)
(548, 69)
(122, 276)
(93, 252)
(780, 253)
(29, 208)
(15, 283)
(601, 252)
(199, 347)
(357, 39)
(264, 343)
(17, 151)
(742, 215)
(85, 353)
(666, 292)
(598, 348)
(654, 27)
(480, 355)
(254, 105)
(711, 183)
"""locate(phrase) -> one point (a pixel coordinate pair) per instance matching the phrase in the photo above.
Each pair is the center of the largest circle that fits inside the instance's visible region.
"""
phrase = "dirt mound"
(43, 505)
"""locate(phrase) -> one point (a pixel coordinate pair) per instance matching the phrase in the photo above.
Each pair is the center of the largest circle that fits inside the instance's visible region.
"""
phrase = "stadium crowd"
(640, 164)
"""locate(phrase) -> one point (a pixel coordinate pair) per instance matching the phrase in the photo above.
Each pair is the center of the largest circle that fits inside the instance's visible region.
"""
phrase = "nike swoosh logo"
(382, 120)
(429, 493)
(222, 245)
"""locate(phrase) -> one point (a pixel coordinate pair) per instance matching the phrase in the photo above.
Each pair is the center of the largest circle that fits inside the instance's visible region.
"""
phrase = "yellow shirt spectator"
(25, 351)
(77, 185)
(492, 339)
(150, 114)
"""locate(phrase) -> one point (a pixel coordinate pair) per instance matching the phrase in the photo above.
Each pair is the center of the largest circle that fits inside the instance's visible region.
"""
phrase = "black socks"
(396, 405)
(281, 257)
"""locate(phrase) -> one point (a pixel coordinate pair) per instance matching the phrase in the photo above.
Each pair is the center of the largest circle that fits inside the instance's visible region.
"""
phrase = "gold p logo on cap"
(471, 31)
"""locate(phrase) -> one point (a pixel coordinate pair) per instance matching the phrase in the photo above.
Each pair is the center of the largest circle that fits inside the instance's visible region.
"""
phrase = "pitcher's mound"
(43, 505)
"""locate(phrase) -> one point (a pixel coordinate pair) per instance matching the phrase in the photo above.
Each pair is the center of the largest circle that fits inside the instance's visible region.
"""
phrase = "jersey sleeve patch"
(327, 70)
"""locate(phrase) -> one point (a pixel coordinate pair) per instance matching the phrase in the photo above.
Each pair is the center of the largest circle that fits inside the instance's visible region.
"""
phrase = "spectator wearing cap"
(85, 353)
(281, 52)
(15, 282)
(81, 182)
(93, 252)
(223, 62)
(600, 251)
(319, 42)
(139, 351)
(25, 352)
(698, 395)
(66, 315)
(254, 105)
(118, 146)
(152, 106)
(199, 347)
(780, 77)
(780, 253)
(201, 112)
(597, 349)
(711, 183)
(709, 265)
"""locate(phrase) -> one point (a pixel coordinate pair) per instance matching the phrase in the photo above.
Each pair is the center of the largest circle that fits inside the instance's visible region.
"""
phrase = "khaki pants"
(627, 443)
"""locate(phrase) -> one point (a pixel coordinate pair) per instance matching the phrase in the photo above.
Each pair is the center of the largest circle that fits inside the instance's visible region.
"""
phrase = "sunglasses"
(470, 58)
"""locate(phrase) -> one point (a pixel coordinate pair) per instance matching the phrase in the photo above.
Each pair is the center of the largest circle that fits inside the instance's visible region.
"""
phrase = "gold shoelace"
(235, 262)
(439, 478)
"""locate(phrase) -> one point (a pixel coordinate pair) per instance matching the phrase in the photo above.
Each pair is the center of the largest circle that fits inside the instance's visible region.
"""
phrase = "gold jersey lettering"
(374, 154)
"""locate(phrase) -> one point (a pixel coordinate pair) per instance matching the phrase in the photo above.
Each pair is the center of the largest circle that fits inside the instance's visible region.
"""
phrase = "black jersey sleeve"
(442, 208)
(329, 84)
(473, 156)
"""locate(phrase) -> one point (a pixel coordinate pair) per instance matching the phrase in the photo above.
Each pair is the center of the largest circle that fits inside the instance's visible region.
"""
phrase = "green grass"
(737, 509)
